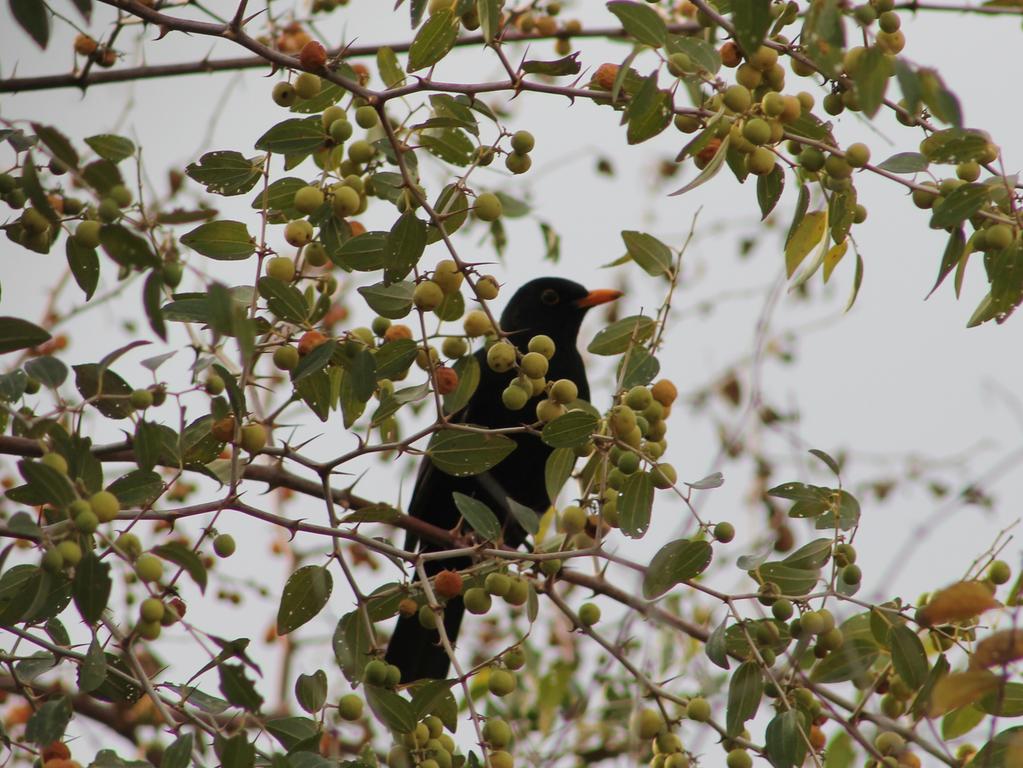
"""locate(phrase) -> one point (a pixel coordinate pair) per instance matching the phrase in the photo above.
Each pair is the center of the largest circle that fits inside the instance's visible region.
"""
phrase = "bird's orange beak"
(599, 296)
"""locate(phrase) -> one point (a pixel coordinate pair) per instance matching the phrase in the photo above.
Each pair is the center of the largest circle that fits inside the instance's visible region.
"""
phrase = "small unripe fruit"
(345, 201)
(497, 584)
(488, 206)
(548, 410)
(500, 759)
(477, 601)
(698, 710)
(497, 733)
(738, 758)
(286, 358)
(308, 199)
(724, 532)
(148, 630)
(664, 476)
(857, 155)
(679, 64)
(104, 505)
(564, 391)
(86, 522)
(141, 399)
(647, 723)
(589, 614)
(151, 610)
(852, 575)
(341, 130)
(52, 560)
(534, 365)
(54, 461)
(517, 164)
(573, 519)
(542, 344)
(427, 295)
(361, 152)
(501, 356)
(454, 347)
(224, 545)
(522, 142)
(375, 673)
(366, 117)
(518, 592)
(514, 398)
(756, 131)
(737, 98)
(501, 682)
(760, 162)
(149, 568)
(447, 275)
(307, 85)
(999, 572)
(70, 552)
(476, 323)
(349, 707)
(487, 288)
(427, 617)
(298, 232)
(87, 233)
(253, 437)
(998, 236)
(284, 94)
(639, 398)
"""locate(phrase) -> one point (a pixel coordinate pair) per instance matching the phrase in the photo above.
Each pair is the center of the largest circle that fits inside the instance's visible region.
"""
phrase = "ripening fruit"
(307, 85)
(86, 522)
(104, 505)
(447, 275)
(345, 200)
(311, 340)
(298, 232)
(664, 476)
(522, 142)
(253, 438)
(375, 673)
(284, 94)
(308, 199)
(679, 64)
(341, 130)
(497, 584)
(487, 287)
(548, 410)
(589, 614)
(366, 117)
(427, 357)
(500, 356)
(573, 519)
(997, 237)
(448, 584)
(454, 347)
(427, 295)
(647, 723)
(760, 162)
(999, 572)
(738, 758)
(149, 568)
(361, 151)
(517, 164)
(514, 397)
(477, 601)
(756, 131)
(622, 420)
(501, 682)
(55, 461)
(497, 733)
(349, 707)
(151, 610)
(724, 532)
(224, 545)
(281, 268)
(87, 233)
(52, 561)
(488, 206)
(70, 551)
(737, 98)
(534, 365)
(564, 391)
(313, 55)
(518, 592)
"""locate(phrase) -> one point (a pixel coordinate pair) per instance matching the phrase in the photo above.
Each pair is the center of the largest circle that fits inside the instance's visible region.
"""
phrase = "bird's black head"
(552, 306)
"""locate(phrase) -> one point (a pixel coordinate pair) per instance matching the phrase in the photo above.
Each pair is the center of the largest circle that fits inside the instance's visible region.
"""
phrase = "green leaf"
(649, 252)
(904, 162)
(939, 99)
(279, 196)
(311, 691)
(872, 74)
(314, 361)
(571, 430)
(745, 690)
(674, 563)
(635, 504)
(305, 594)
(960, 205)
(18, 587)
(295, 136)
(955, 145)
(395, 357)
(222, 240)
(810, 556)
(804, 238)
(769, 189)
(57, 143)
(468, 370)
(523, 515)
(126, 248)
(16, 333)
(621, 334)
(84, 265)
(93, 671)
(91, 587)
(138, 488)
(111, 147)
(449, 144)
(640, 21)
(648, 112)
(793, 581)
(108, 395)
(954, 250)
(48, 371)
(960, 721)
(390, 708)
(363, 253)
(49, 485)
(489, 12)
(1007, 701)
(285, 301)
(433, 40)
(178, 753)
(390, 69)
(34, 18)
(182, 556)
(717, 646)
(823, 35)
(152, 292)
(236, 752)
(557, 470)
(786, 745)
(751, 18)
(49, 722)
(463, 454)
(638, 367)
(393, 301)
(405, 245)
(567, 65)
(293, 733)
(238, 689)
(908, 655)
(710, 170)
(226, 173)
(852, 660)
(352, 645)
(478, 516)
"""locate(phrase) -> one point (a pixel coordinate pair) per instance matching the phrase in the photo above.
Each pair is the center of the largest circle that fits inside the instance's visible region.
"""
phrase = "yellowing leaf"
(961, 688)
(959, 602)
(997, 649)
(833, 256)
(809, 232)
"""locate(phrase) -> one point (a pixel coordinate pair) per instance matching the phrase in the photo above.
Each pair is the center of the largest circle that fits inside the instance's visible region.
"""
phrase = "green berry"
(522, 142)
(518, 592)
(86, 522)
(737, 98)
(349, 707)
(307, 85)
(366, 117)
(330, 115)
(999, 572)
(141, 399)
(487, 288)
(782, 609)
(345, 200)
(253, 437)
(224, 545)
(284, 94)
(514, 398)
(298, 232)
(573, 519)
(52, 560)
(454, 347)
(341, 131)
(361, 152)
(87, 233)
(308, 199)
(647, 723)
(517, 164)
(448, 276)
(104, 505)
(427, 295)
(54, 461)
(488, 206)
(857, 155)
(151, 609)
(148, 630)
(497, 584)
(760, 162)
(501, 356)
(534, 365)
(738, 758)
(589, 614)
(70, 551)
(427, 617)
(628, 462)
(286, 358)
(497, 733)
(563, 391)
(698, 710)
(548, 410)
(679, 64)
(121, 195)
(501, 682)
(477, 600)
(542, 344)
(375, 673)
(998, 237)
(724, 532)
(664, 476)
(149, 568)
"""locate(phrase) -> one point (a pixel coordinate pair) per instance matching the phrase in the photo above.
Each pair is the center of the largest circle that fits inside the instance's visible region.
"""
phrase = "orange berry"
(448, 584)
(664, 392)
(397, 331)
(731, 56)
(223, 429)
(357, 228)
(313, 55)
(447, 379)
(706, 154)
(85, 45)
(57, 749)
(310, 340)
(408, 607)
(604, 77)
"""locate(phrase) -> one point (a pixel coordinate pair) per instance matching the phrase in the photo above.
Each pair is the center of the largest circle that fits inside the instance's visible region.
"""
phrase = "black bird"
(549, 305)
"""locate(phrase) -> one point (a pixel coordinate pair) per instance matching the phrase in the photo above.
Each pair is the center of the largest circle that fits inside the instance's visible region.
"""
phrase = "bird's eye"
(550, 297)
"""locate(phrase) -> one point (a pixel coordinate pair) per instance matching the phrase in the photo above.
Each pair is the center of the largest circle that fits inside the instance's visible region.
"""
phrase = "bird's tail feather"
(417, 651)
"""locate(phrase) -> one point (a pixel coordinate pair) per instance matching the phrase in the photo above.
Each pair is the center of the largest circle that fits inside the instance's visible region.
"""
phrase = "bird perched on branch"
(548, 306)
